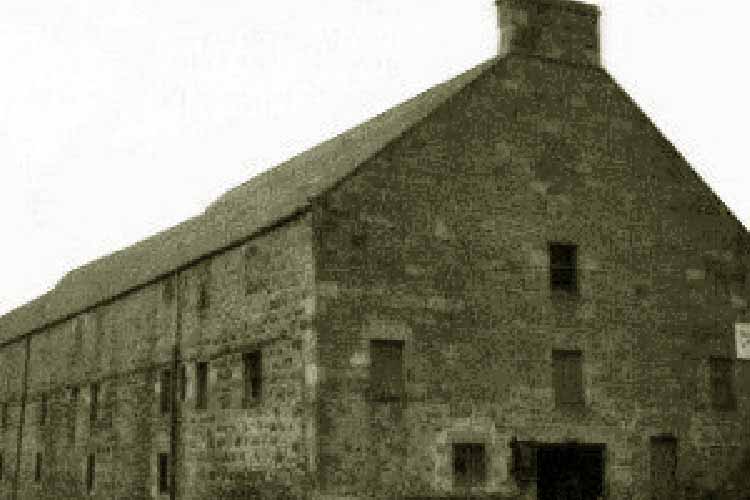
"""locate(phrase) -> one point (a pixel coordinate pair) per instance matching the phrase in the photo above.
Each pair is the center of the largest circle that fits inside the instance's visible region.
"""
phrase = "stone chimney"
(564, 30)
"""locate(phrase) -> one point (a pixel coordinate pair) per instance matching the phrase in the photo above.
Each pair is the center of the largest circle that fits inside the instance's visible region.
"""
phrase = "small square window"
(201, 371)
(74, 394)
(568, 378)
(163, 473)
(38, 467)
(166, 391)
(90, 472)
(94, 403)
(386, 370)
(252, 368)
(722, 384)
(469, 465)
(563, 264)
(183, 382)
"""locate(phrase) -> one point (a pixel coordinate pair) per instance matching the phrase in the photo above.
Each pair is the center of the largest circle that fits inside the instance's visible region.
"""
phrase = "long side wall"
(442, 242)
(258, 296)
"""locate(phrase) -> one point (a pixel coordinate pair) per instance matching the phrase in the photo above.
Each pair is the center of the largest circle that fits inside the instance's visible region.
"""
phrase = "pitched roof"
(240, 213)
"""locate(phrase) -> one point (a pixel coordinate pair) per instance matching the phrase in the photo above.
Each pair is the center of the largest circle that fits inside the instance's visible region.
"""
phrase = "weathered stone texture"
(441, 240)
(124, 346)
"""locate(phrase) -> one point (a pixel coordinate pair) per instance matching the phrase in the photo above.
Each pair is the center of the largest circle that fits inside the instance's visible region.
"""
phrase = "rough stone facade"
(442, 241)
(425, 231)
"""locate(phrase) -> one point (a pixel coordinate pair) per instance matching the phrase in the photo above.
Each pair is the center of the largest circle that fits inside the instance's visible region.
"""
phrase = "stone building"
(511, 285)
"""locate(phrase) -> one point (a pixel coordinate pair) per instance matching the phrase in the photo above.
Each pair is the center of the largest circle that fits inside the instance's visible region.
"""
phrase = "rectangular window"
(163, 473)
(204, 298)
(386, 370)
(94, 403)
(663, 461)
(201, 400)
(722, 384)
(563, 267)
(43, 410)
(1, 465)
(183, 382)
(90, 472)
(74, 392)
(38, 467)
(568, 373)
(469, 465)
(166, 391)
(4, 415)
(252, 378)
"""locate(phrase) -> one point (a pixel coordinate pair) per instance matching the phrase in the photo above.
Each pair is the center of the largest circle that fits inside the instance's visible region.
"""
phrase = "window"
(183, 382)
(163, 473)
(204, 299)
(469, 465)
(90, 472)
(1, 465)
(568, 373)
(43, 410)
(722, 384)
(386, 370)
(663, 457)
(4, 415)
(74, 392)
(562, 267)
(166, 391)
(252, 378)
(201, 400)
(38, 467)
(94, 403)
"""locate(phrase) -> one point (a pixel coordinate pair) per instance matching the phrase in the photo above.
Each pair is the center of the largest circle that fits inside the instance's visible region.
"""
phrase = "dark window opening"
(469, 464)
(1, 465)
(4, 416)
(252, 369)
(183, 382)
(563, 267)
(568, 373)
(43, 410)
(386, 370)
(722, 384)
(38, 468)
(90, 472)
(201, 401)
(203, 300)
(663, 466)
(166, 391)
(249, 271)
(74, 392)
(94, 403)
(163, 473)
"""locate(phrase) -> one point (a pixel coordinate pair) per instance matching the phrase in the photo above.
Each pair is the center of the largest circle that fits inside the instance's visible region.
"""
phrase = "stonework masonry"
(424, 233)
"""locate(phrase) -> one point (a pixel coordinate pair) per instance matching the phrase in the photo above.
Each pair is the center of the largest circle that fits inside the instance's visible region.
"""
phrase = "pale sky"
(120, 118)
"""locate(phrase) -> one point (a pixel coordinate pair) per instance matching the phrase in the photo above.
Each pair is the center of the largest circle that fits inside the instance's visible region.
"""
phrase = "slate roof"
(240, 213)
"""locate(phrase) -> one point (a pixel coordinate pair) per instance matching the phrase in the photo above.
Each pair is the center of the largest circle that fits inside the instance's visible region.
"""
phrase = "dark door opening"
(570, 471)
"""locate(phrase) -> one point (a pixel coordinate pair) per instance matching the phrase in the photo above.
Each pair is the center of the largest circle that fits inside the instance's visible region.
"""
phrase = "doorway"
(570, 471)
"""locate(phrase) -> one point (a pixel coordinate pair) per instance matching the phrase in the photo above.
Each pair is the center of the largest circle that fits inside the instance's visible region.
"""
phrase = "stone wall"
(256, 296)
(441, 240)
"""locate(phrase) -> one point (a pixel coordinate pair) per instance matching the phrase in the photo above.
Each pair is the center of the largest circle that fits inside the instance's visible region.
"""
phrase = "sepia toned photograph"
(374, 250)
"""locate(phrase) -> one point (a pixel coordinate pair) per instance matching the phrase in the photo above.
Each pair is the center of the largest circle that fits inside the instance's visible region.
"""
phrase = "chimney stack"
(564, 30)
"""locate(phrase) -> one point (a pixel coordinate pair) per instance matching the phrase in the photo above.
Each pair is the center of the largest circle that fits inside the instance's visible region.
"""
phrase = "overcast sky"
(120, 118)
